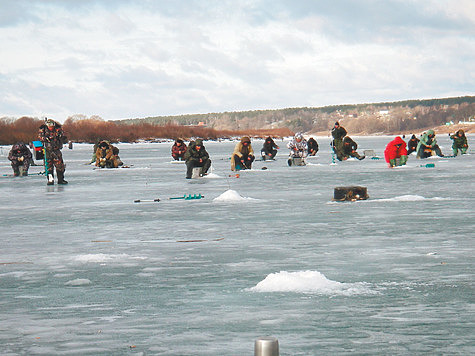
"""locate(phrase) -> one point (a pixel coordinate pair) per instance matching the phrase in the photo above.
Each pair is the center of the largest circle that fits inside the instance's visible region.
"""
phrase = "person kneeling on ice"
(243, 155)
(298, 147)
(105, 157)
(52, 136)
(412, 144)
(427, 145)
(196, 156)
(349, 149)
(460, 142)
(269, 149)
(20, 157)
(312, 146)
(179, 150)
(396, 153)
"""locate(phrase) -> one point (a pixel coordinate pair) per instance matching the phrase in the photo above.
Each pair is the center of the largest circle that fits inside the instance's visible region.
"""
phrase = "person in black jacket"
(269, 149)
(349, 149)
(312, 146)
(412, 144)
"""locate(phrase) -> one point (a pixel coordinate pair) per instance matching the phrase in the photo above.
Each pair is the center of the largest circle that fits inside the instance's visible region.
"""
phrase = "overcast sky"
(126, 59)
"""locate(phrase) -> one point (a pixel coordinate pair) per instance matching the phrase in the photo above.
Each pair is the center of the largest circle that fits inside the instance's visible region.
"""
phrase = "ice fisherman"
(106, 157)
(52, 136)
(196, 156)
(179, 150)
(243, 155)
(312, 146)
(428, 145)
(412, 144)
(460, 142)
(269, 149)
(349, 149)
(396, 153)
(298, 147)
(338, 133)
(20, 157)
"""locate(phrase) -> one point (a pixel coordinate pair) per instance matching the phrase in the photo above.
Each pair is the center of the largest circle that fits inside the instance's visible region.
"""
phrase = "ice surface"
(86, 271)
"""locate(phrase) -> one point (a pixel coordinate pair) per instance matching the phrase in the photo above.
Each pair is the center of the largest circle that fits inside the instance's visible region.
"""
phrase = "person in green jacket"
(427, 145)
(460, 142)
(338, 133)
(196, 156)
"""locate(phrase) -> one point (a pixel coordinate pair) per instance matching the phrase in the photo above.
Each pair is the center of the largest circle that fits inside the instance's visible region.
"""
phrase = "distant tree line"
(364, 118)
(92, 130)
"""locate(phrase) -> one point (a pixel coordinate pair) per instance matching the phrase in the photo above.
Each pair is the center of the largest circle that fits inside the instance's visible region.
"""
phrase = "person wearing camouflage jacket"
(52, 136)
(460, 142)
(20, 157)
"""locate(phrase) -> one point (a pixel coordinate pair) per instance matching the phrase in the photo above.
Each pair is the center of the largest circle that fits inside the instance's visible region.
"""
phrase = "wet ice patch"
(78, 282)
(231, 196)
(309, 282)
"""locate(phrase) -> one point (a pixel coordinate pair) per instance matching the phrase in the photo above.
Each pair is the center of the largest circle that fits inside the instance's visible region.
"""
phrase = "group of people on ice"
(106, 155)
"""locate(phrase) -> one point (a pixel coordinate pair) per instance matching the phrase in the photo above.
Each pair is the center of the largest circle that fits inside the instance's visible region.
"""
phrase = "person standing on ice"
(179, 150)
(396, 153)
(412, 144)
(52, 136)
(460, 142)
(196, 156)
(20, 157)
(349, 149)
(338, 133)
(269, 149)
(243, 155)
(427, 145)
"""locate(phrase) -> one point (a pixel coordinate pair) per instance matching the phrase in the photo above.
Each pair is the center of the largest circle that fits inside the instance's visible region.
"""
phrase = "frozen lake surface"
(86, 271)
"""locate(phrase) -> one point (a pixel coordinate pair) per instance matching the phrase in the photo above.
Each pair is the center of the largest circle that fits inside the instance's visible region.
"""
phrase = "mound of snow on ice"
(78, 282)
(212, 176)
(231, 196)
(308, 282)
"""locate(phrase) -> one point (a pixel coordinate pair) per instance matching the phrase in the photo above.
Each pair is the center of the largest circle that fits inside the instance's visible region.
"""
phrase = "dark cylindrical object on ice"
(350, 193)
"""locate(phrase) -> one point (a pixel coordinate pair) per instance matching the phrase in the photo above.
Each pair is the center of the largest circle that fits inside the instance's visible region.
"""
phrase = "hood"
(245, 139)
(199, 142)
(398, 141)
(430, 132)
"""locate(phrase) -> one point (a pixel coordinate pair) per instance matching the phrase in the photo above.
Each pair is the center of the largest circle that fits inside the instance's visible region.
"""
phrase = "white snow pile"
(231, 196)
(78, 282)
(212, 176)
(309, 282)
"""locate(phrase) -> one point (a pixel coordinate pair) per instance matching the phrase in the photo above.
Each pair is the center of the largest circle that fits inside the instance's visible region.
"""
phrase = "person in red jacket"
(179, 150)
(396, 153)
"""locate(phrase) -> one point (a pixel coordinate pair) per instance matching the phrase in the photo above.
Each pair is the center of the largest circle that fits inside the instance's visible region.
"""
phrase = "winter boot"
(50, 178)
(61, 178)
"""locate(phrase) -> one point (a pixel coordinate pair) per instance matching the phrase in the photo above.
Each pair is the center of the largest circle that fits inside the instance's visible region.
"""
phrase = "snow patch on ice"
(409, 198)
(78, 282)
(309, 282)
(231, 196)
(103, 257)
